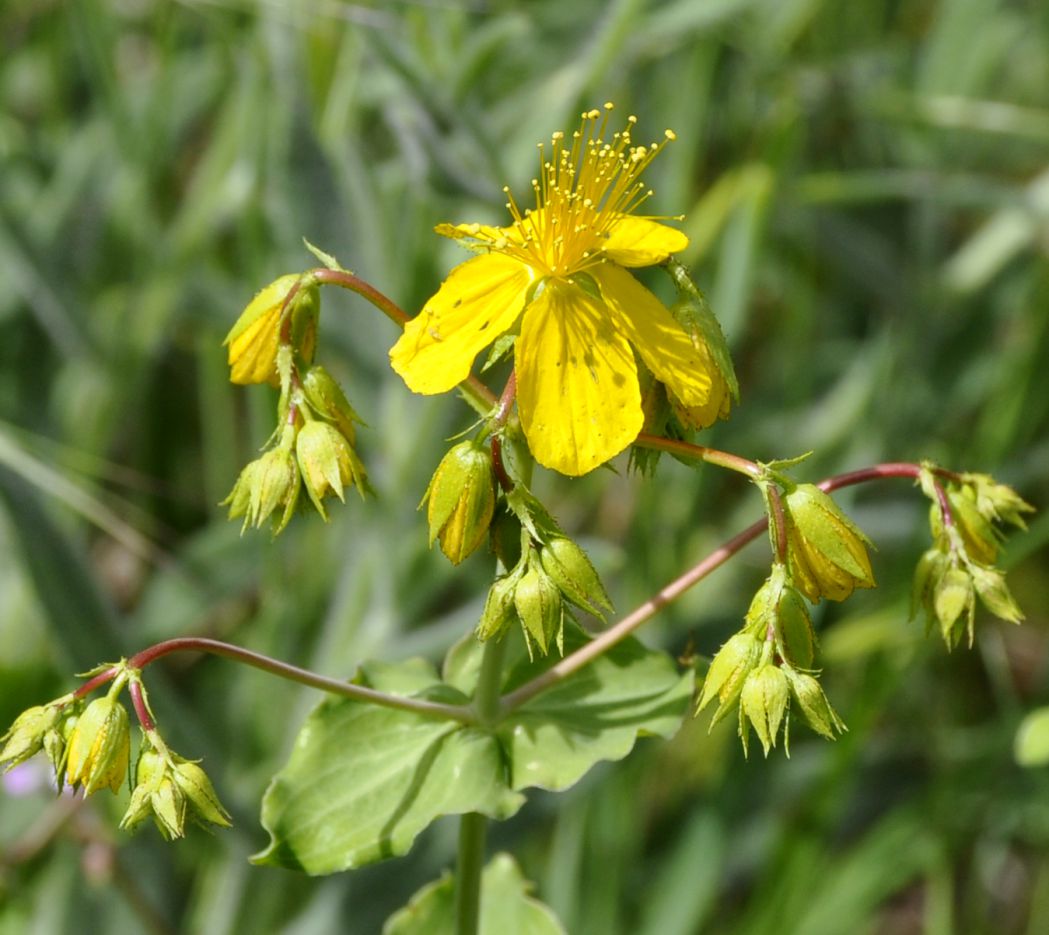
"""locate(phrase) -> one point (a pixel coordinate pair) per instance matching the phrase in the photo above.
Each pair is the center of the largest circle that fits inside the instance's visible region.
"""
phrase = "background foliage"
(866, 186)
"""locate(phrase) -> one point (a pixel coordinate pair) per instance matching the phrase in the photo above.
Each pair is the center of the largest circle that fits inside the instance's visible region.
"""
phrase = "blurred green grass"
(867, 191)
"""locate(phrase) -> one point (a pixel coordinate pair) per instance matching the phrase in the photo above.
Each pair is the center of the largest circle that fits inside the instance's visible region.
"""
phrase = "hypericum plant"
(599, 365)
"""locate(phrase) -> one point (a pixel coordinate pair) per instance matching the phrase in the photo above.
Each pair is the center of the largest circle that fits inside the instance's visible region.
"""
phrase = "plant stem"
(473, 827)
(724, 459)
(91, 684)
(461, 713)
(473, 833)
(605, 641)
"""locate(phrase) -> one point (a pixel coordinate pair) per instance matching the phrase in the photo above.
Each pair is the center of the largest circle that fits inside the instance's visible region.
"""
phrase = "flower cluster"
(170, 789)
(312, 449)
(89, 746)
(960, 566)
(548, 573)
(767, 665)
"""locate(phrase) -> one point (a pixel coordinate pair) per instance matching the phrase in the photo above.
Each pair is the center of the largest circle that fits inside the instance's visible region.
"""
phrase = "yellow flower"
(556, 277)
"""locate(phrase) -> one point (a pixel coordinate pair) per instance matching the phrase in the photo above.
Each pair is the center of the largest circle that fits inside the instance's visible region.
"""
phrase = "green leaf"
(596, 714)
(364, 780)
(506, 907)
(1032, 739)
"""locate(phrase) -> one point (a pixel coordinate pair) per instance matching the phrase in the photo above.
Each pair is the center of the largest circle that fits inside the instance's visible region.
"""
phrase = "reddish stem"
(501, 474)
(502, 413)
(91, 684)
(780, 522)
(139, 703)
(461, 713)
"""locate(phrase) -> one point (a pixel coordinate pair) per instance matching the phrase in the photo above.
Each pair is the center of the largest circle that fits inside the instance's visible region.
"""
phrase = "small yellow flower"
(556, 277)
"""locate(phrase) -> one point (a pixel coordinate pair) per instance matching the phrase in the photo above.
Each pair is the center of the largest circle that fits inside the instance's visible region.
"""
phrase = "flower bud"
(169, 807)
(826, 551)
(327, 462)
(254, 338)
(56, 740)
(931, 568)
(99, 747)
(728, 671)
(763, 701)
(327, 399)
(997, 502)
(461, 500)
(271, 482)
(239, 499)
(778, 608)
(149, 771)
(201, 800)
(994, 592)
(537, 600)
(171, 788)
(25, 737)
(499, 609)
(808, 693)
(954, 604)
(571, 570)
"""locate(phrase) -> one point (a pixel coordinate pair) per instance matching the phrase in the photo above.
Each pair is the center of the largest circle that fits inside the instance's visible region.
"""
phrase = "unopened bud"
(461, 500)
(201, 800)
(25, 737)
(572, 572)
(728, 671)
(171, 789)
(239, 499)
(954, 603)
(826, 551)
(499, 610)
(994, 592)
(537, 600)
(764, 701)
(808, 693)
(99, 747)
(327, 462)
(327, 399)
(997, 501)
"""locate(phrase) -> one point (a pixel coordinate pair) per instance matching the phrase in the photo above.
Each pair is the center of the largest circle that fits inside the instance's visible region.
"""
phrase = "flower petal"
(577, 389)
(662, 343)
(640, 242)
(479, 300)
(253, 352)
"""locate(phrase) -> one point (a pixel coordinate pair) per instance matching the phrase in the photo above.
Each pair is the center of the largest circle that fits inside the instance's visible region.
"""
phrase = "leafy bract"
(506, 907)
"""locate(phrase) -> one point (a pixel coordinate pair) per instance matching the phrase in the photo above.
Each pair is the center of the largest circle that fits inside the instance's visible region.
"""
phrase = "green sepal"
(326, 259)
